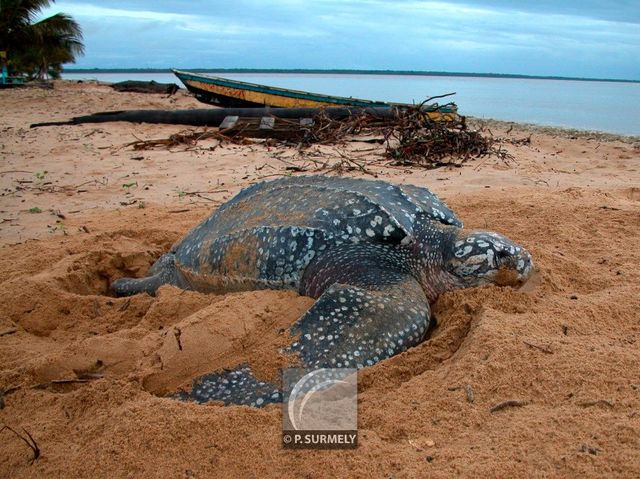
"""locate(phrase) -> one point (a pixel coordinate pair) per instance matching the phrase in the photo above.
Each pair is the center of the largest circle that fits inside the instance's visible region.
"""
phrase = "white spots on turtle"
(437, 212)
(370, 232)
(460, 253)
(336, 222)
(482, 244)
(356, 212)
(407, 240)
(388, 229)
(468, 269)
(490, 258)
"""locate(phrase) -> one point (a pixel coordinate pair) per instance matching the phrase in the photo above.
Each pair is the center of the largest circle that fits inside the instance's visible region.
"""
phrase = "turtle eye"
(503, 253)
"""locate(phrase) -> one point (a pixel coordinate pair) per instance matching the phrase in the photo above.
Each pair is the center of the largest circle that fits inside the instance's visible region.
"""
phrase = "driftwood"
(215, 116)
(145, 87)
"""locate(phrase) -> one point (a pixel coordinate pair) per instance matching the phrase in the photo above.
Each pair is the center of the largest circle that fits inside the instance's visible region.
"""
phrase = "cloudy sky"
(587, 38)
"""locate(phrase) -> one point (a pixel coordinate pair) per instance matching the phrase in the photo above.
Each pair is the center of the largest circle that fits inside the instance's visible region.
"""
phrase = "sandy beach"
(85, 374)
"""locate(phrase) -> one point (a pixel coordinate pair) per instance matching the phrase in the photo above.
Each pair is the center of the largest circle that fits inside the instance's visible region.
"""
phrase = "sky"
(577, 38)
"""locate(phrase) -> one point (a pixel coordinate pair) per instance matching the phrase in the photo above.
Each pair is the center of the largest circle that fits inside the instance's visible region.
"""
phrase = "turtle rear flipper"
(238, 386)
(163, 271)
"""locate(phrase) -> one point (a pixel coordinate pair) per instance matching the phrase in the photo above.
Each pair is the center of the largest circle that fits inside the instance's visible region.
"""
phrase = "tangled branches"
(325, 130)
(416, 140)
(186, 138)
(412, 138)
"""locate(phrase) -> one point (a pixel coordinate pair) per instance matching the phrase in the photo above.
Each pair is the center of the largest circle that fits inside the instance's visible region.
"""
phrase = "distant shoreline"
(347, 72)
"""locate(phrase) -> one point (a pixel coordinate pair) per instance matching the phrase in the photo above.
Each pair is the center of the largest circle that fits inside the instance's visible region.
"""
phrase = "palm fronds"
(38, 48)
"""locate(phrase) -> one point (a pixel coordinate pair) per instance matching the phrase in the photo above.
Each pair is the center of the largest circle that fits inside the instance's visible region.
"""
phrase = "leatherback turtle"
(374, 254)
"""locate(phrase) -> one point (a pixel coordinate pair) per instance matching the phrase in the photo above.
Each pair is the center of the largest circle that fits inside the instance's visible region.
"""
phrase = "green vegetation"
(37, 48)
(35, 210)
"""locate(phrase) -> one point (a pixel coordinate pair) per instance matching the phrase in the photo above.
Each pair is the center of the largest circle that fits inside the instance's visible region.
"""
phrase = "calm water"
(604, 106)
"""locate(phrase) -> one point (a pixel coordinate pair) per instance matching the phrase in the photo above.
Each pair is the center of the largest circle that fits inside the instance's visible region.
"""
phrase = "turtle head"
(482, 257)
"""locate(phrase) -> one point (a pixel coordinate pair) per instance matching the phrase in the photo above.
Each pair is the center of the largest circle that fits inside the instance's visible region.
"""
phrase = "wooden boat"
(225, 92)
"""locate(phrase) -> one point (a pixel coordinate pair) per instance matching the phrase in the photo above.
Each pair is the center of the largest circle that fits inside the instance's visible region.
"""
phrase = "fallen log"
(145, 87)
(215, 116)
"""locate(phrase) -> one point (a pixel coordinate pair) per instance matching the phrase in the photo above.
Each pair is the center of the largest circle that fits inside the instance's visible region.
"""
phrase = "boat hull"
(228, 93)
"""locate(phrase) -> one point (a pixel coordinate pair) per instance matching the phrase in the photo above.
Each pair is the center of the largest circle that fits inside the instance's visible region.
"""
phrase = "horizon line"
(347, 71)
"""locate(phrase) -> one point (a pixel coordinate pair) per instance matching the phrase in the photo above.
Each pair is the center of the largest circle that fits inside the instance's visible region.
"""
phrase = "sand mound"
(563, 345)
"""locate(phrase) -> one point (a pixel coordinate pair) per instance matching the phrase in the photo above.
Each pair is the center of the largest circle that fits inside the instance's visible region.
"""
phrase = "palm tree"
(37, 48)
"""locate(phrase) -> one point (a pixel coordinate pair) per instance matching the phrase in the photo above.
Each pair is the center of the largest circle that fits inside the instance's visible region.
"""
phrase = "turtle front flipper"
(359, 324)
(349, 326)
